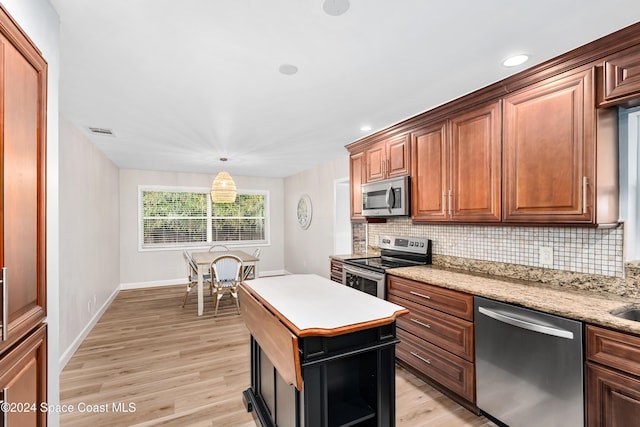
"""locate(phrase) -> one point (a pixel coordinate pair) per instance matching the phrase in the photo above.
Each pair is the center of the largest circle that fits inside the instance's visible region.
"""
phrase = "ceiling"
(183, 83)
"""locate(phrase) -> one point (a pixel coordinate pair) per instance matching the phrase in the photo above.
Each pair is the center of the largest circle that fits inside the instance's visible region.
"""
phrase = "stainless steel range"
(368, 274)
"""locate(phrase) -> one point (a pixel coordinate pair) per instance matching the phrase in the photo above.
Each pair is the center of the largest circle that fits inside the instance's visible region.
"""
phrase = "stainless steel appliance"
(528, 366)
(368, 274)
(389, 197)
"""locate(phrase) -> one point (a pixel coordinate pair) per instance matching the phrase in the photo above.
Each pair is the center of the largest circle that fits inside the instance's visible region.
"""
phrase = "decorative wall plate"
(304, 211)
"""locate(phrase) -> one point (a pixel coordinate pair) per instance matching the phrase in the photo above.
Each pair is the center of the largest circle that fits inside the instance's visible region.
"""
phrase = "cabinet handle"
(420, 295)
(421, 323)
(427, 361)
(449, 202)
(5, 304)
(584, 194)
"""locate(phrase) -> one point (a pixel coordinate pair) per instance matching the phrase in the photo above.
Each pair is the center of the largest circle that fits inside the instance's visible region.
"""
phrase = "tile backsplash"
(575, 249)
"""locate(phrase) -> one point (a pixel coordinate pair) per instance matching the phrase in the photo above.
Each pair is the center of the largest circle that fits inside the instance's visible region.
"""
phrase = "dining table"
(203, 260)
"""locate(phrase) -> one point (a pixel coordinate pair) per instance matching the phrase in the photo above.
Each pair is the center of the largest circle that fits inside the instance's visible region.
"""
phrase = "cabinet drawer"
(336, 271)
(445, 331)
(452, 372)
(452, 302)
(614, 349)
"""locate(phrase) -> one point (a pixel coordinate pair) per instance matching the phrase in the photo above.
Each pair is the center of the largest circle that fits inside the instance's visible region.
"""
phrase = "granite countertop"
(573, 304)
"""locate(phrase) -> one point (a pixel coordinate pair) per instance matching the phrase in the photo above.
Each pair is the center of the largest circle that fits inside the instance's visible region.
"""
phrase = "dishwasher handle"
(529, 325)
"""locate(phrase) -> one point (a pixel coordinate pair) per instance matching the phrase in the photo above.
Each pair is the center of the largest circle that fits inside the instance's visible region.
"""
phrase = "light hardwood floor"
(167, 366)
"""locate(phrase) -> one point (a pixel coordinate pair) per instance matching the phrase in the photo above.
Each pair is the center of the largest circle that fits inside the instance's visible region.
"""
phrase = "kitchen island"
(322, 354)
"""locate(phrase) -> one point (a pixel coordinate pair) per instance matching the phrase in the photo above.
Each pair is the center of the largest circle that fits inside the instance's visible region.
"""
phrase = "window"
(172, 217)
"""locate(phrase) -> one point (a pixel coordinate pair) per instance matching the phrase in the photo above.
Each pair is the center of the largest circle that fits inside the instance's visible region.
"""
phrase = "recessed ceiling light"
(514, 60)
(288, 69)
(335, 7)
(365, 128)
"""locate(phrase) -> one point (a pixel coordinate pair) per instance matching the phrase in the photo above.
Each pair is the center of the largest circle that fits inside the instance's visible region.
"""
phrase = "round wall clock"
(304, 211)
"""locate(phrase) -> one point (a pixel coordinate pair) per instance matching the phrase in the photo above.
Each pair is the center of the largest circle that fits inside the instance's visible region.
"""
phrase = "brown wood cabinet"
(437, 336)
(23, 74)
(388, 158)
(336, 270)
(612, 378)
(23, 380)
(356, 179)
(559, 153)
(621, 78)
(456, 168)
(550, 151)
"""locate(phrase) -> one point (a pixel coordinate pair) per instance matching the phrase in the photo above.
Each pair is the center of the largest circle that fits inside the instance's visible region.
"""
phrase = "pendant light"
(223, 189)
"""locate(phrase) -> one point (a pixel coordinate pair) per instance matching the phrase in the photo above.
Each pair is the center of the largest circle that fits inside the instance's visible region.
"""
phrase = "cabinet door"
(429, 173)
(356, 179)
(375, 159)
(398, 156)
(23, 380)
(621, 75)
(613, 399)
(476, 165)
(22, 155)
(549, 151)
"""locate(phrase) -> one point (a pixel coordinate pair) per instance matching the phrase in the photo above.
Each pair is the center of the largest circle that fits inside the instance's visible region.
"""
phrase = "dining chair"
(218, 248)
(192, 276)
(227, 272)
(250, 270)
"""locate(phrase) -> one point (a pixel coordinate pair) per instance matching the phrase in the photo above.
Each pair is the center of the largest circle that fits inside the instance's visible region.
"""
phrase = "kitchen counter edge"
(567, 303)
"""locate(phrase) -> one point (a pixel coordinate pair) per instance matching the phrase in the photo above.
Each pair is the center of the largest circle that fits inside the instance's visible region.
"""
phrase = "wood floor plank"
(177, 369)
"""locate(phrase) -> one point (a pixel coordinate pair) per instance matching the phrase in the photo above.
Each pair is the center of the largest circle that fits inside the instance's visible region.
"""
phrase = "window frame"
(205, 245)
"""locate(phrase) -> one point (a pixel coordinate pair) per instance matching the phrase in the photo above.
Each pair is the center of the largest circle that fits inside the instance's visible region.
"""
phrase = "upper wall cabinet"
(356, 179)
(621, 78)
(456, 168)
(549, 143)
(388, 158)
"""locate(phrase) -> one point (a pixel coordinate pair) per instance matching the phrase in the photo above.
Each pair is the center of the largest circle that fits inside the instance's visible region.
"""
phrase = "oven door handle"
(363, 273)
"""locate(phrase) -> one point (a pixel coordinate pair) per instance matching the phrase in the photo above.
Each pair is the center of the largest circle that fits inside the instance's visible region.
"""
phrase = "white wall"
(308, 251)
(40, 21)
(148, 268)
(90, 232)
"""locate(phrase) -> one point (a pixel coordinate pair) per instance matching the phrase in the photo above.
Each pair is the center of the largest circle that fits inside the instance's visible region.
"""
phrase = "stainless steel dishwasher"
(529, 366)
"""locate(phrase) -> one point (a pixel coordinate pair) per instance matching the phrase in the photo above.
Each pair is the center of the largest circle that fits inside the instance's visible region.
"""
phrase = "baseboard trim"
(70, 351)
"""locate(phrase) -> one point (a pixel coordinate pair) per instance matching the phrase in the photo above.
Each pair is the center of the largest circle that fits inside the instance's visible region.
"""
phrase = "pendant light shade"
(223, 189)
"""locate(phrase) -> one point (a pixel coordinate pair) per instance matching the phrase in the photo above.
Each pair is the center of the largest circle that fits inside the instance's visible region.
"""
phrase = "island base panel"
(351, 386)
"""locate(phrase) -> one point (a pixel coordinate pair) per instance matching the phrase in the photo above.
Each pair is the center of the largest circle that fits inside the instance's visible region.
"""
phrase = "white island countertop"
(312, 305)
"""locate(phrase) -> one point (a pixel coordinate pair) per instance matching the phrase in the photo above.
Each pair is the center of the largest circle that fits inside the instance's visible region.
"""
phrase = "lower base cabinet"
(437, 336)
(349, 380)
(613, 378)
(23, 382)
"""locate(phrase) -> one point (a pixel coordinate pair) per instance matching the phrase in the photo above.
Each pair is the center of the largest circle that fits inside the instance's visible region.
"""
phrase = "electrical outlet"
(546, 255)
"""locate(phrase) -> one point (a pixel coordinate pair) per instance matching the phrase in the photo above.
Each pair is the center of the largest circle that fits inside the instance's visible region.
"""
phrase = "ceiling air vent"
(101, 131)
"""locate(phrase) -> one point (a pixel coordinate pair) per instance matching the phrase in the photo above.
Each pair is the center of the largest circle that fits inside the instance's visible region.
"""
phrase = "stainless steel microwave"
(389, 197)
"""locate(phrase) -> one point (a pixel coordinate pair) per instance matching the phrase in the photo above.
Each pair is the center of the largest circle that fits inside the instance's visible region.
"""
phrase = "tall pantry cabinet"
(23, 77)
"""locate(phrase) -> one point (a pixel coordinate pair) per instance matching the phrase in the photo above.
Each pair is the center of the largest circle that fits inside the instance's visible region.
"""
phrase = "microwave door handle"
(390, 196)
